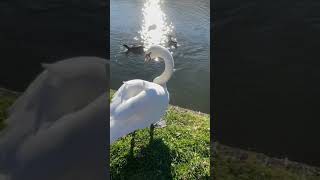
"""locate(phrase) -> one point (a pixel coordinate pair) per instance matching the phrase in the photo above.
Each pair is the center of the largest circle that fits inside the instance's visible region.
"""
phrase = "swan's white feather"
(136, 105)
(61, 90)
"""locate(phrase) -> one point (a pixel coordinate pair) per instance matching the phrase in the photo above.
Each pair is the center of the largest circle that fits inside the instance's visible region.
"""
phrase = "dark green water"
(186, 20)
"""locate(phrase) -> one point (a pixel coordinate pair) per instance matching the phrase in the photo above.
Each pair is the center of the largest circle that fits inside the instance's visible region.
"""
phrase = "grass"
(181, 150)
(235, 164)
(6, 99)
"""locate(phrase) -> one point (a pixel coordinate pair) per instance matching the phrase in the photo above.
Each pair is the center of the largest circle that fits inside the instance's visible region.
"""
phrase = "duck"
(138, 103)
(172, 42)
(152, 27)
(136, 49)
(56, 128)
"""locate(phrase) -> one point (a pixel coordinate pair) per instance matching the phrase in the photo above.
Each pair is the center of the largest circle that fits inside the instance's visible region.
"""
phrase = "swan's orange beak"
(147, 57)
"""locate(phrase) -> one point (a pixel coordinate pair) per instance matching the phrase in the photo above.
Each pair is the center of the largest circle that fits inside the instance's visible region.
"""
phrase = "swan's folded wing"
(28, 93)
(145, 104)
(67, 127)
(126, 91)
(117, 98)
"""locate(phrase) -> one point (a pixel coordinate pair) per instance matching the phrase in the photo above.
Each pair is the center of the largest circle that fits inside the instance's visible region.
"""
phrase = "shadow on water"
(151, 162)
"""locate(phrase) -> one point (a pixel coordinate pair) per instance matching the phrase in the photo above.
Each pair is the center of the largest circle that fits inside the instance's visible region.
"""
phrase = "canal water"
(148, 22)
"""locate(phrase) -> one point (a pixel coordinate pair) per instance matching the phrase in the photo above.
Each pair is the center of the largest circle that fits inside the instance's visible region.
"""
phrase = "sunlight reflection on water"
(147, 22)
(155, 28)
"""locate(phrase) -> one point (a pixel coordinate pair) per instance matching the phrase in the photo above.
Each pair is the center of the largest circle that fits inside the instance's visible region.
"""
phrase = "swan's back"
(127, 90)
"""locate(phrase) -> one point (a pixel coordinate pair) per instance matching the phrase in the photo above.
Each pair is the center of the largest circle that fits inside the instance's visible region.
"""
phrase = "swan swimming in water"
(57, 128)
(138, 103)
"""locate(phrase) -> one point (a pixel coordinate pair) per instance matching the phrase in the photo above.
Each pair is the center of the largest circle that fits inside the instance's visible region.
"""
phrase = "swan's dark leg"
(132, 143)
(151, 133)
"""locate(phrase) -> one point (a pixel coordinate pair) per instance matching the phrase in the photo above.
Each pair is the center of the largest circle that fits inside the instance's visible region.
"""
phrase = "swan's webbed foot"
(151, 133)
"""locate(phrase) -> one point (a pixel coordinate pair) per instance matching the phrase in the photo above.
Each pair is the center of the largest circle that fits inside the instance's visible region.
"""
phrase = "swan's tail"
(126, 46)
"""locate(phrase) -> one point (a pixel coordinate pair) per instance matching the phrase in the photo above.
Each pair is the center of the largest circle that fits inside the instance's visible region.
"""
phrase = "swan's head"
(156, 51)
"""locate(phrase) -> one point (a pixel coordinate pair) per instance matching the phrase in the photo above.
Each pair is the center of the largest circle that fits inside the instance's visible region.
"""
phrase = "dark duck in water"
(172, 41)
(136, 49)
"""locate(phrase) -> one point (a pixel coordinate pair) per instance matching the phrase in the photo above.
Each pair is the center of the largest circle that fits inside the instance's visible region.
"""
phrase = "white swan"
(56, 128)
(138, 103)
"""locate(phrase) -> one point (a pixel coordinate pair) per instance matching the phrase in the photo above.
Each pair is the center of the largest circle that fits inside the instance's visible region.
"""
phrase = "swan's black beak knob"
(147, 57)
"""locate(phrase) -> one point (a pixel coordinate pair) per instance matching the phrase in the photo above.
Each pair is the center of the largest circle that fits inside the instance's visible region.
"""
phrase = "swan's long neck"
(168, 71)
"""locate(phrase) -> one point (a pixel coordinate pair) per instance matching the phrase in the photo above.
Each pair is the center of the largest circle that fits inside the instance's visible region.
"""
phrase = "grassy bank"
(6, 99)
(181, 151)
(237, 164)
